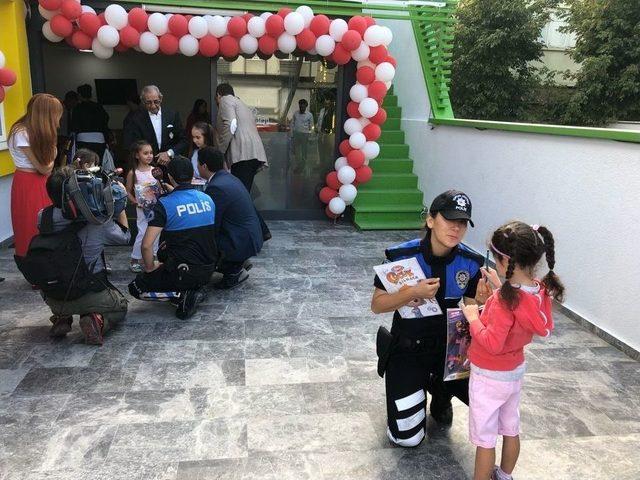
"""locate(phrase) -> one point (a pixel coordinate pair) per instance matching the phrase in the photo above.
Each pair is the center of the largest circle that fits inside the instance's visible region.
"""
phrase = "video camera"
(94, 195)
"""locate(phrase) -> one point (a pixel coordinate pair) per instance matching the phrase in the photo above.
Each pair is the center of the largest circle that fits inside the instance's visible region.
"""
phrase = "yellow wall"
(13, 43)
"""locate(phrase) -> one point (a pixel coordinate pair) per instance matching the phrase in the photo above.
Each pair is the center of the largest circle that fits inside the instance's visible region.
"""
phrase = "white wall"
(5, 199)
(584, 190)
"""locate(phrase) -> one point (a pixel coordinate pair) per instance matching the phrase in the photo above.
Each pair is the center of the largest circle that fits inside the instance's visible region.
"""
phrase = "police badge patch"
(462, 278)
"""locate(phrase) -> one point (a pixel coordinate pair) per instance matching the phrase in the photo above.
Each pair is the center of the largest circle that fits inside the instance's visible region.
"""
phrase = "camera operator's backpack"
(55, 262)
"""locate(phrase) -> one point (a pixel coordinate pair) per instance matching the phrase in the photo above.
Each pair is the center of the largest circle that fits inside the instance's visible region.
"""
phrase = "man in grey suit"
(239, 140)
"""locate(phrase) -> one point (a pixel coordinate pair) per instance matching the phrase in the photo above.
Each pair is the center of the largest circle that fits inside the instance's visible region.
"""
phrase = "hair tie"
(493, 247)
(535, 227)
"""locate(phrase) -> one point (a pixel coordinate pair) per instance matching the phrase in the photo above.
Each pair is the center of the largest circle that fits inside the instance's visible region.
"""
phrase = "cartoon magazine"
(395, 275)
(147, 195)
(456, 365)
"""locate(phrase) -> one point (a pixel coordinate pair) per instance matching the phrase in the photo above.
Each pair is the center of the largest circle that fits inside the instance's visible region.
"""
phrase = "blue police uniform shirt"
(187, 219)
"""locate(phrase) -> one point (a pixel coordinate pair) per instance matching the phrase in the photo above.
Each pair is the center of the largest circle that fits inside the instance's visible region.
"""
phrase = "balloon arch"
(287, 31)
(7, 77)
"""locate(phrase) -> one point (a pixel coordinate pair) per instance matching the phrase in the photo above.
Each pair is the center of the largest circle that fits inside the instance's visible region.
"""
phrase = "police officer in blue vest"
(184, 219)
(412, 355)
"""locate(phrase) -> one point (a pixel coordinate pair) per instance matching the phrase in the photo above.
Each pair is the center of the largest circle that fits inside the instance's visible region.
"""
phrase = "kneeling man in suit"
(237, 226)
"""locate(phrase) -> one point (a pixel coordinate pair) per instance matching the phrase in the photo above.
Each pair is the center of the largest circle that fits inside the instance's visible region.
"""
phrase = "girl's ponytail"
(509, 293)
(551, 281)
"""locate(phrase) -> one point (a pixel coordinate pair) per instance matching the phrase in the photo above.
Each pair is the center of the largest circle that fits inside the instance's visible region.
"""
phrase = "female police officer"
(413, 356)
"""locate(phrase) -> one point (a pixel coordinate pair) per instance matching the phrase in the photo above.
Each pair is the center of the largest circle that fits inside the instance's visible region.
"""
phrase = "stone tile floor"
(276, 379)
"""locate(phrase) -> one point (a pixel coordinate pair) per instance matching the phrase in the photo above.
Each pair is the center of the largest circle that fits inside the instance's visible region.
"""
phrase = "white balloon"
(366, 63)
(388, 84)
(87, 9)
(48, 33)
(364, 121)
(265, 15)
(248, 44)
(340, 162)
(149, 43)
(218, 26)
(116, 16)
(387, 36)
(337, 205)
(348, 193)
(371, 150)
(158, 24)
(2, 59)
(100, 51)
(47, 14)
(306, 13)
(361, 53)
(352, 125)
(188, 45)
(346, 175)
(108, 36)
(198, 27)
(358, 92)
(256, 26)
(337, 29)
(293, 23)
(325, 45)
(357, 141)
(286, 43)
(368, 107)
(385, 72)
(374, 36)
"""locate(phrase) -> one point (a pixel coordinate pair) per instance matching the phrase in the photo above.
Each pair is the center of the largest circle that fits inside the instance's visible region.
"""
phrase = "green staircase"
(391, 199)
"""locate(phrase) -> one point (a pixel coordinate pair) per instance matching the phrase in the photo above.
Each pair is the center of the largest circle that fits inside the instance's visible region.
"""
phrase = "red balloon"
(71, 9)
(138, 19)
(380, 117)
(330, 214)
(326, 194)
(351, 40)
(169, 44)
(274, 25)
(352, 110)
(306, 40)
(364, 174)
(391, 60)
(320, 25)
(247, 16)
(283, 12)
(268, 45)
(121, 47)
(229, 46)
(365, 75)
(332, 180)
(237, 27)
(90, 24)
(345, 148)
(372, 132)
(209, 46)
(80, 40)
(129, 36)
(178, 25)
(370, 21)
(1, 93)
(8, 77)
(378, 54)
(355, 159)
(359, 24)
(51, 5)
(61, 26)
(188, 18)
(341, 55)
(377, 90)
(103, 20)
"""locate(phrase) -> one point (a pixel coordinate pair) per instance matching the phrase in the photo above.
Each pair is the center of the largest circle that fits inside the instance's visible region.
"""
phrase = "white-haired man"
(159, 126)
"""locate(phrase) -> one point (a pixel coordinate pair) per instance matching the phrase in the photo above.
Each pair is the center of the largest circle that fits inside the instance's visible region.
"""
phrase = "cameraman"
(102, 304)
(184, 219)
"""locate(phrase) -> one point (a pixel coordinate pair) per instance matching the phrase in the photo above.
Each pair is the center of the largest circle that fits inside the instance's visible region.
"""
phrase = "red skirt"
(28, 197)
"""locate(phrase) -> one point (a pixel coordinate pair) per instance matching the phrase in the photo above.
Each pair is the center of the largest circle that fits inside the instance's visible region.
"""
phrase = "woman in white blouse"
(32, 144)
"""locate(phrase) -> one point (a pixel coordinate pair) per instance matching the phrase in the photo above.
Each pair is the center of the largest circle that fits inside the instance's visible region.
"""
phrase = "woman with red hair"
(32, 144)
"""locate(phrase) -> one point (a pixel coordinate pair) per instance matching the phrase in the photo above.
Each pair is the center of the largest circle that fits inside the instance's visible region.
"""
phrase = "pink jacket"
(499, 337)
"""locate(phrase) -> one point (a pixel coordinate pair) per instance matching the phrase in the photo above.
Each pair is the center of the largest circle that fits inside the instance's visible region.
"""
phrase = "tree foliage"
(495, 43)
(608, 47)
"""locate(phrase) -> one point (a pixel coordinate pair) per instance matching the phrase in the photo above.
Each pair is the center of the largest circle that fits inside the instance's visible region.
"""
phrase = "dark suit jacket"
(238, 231)
(139, 127)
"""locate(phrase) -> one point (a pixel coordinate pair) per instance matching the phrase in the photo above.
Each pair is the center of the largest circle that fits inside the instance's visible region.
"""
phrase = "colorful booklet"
(147, 195)
(395, 275)
(457, 365)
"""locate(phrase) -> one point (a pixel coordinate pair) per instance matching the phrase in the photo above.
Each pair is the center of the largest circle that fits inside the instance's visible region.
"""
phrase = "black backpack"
(55, 262)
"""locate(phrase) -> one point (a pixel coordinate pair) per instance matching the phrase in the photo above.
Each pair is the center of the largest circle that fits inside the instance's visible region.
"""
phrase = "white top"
(156, 121)
(302, 122)
(194, 162)
(20, 159)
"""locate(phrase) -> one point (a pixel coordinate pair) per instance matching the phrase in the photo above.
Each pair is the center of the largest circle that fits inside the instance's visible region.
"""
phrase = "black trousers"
(163, 279)
(246, 171)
